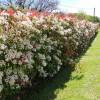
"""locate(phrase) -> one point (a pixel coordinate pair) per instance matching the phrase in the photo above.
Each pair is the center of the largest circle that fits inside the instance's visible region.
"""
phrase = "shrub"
(39, 46)
(83, 15)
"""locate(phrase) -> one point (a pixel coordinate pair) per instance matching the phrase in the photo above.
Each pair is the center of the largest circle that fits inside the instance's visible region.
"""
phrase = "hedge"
(38, 46)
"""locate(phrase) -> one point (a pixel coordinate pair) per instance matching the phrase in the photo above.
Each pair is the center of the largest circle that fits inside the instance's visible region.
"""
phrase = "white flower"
(59, 52)
(28, 13)
(38, 47)
(48, 58)
(26, 23)
(49, 48)
(43, 73)
(58, 68)
(19, 15)
(11, 80)
(2, 63)
(18, 54)
(2, 46)
(27, 43)
(3, 37)
(10, 54)
(1, 52)
(58, 60)
(30, 57)
(25, 78)
(41, 56)
(20, 62)
(1, 74)
(2, 20)
(4, 13)
(14, 61)
(30, 66)
(25, 59)
(61, 32)
(44, 63)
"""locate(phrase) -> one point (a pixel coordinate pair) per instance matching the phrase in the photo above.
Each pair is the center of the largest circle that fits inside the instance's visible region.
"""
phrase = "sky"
(80, 5)
(86, 6)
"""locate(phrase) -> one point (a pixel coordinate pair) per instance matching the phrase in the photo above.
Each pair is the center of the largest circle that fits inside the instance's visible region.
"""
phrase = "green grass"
(82, 84)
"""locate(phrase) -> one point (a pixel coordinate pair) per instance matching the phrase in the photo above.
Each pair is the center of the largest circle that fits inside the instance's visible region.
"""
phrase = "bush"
(83, 15)
(38, 46)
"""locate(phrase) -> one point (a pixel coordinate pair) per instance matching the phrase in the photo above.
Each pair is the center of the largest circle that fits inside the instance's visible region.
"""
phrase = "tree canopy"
(40, 5)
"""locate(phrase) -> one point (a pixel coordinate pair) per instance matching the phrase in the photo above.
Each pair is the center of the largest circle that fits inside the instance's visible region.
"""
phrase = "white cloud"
(81, 5)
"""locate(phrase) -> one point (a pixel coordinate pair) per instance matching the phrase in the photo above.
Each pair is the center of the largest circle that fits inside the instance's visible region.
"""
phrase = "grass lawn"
(81, 84)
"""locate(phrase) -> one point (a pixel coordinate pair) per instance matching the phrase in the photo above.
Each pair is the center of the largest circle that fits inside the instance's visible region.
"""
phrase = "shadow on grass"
(46, 89)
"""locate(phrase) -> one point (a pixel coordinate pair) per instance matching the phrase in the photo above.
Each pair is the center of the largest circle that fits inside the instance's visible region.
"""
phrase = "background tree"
(40, 5)
(48, 5)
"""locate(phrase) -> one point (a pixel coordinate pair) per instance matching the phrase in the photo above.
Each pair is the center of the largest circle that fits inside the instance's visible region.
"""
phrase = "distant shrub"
(83, 15)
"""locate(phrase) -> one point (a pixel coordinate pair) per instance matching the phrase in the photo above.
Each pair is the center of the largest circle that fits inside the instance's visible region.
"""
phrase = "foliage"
(40, 45)
(83, 15)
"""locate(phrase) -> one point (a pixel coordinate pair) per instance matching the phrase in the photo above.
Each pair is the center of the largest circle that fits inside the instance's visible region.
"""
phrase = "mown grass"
(81, 84)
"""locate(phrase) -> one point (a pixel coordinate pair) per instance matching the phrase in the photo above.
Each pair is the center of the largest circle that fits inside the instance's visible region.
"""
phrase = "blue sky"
(80, 5)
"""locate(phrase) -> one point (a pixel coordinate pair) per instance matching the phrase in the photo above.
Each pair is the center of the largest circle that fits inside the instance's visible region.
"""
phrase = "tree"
(21, 3)
(40, 5)
(48, 5)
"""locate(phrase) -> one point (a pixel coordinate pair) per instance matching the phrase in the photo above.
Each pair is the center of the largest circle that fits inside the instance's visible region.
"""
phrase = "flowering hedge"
(40, 45)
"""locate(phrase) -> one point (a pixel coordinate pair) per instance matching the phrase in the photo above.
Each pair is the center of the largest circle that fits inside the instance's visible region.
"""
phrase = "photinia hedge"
(40, 45)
